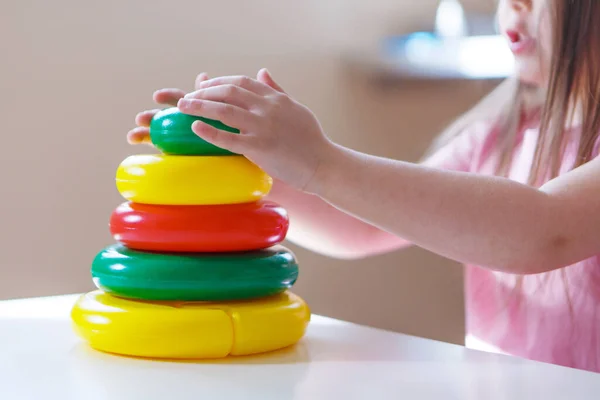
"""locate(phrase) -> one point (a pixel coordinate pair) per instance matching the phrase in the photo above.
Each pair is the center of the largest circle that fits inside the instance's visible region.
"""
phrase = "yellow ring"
(191, 180)
(177, 330)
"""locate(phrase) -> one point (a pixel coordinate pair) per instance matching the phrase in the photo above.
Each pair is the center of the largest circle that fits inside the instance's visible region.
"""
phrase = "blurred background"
(383, 76)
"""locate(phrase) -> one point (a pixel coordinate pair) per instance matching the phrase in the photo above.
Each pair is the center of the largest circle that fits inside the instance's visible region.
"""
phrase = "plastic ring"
(213, 228)
(171, 133)
(129, 273)
(191, 180)
(189, 330)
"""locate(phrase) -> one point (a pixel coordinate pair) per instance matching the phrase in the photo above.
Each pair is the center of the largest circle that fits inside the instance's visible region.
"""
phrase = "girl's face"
(526, 26)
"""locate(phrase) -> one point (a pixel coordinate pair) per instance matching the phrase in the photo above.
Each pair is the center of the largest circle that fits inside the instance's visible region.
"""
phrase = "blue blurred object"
(472, 57)
(449, 51)
(460, 46)
(427, 54)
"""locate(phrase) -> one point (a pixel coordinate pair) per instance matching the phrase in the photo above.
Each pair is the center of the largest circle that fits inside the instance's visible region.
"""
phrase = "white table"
(41, 358)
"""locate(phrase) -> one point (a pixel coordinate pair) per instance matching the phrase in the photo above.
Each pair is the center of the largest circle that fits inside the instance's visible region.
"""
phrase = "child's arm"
(322, 228)
(488, 221)
(318, 225)
(474, 219)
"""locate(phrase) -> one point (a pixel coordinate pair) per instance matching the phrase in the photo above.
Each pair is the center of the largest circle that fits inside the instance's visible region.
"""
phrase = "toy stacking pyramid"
(198, 270)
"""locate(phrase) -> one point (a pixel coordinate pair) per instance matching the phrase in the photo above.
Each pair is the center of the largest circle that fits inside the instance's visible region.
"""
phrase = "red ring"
(206, 228)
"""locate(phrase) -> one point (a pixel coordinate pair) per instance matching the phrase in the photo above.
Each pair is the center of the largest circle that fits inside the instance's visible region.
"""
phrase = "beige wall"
(74, 73)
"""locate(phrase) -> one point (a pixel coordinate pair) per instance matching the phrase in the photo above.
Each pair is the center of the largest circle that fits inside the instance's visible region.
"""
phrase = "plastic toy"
(215, 228)
(189, 180)
(194, 277)
(198, 271)
(171, 133)
(189, 330)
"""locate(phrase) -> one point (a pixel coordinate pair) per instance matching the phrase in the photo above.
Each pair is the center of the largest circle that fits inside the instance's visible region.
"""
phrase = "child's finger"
(229, 94)
(168, 96)
(148, 141)
(225, 140)
(138, 135)
(231, 115)
(244, 82)
(145, 117)
(200, 78)
(265, 76)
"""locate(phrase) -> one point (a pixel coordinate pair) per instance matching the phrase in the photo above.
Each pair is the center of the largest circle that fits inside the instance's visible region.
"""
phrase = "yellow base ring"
(191, 180)
(176, 330)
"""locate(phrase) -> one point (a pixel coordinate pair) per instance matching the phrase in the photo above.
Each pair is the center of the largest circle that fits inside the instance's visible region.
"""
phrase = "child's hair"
(572, 91)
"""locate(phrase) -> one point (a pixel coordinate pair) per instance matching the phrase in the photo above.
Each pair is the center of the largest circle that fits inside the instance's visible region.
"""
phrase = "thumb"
(265, 77)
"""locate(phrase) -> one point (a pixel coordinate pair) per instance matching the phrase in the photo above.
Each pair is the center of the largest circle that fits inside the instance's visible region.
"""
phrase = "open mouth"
(519, 43)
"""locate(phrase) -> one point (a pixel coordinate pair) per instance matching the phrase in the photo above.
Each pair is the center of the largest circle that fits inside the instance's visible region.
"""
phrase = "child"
(512, 190)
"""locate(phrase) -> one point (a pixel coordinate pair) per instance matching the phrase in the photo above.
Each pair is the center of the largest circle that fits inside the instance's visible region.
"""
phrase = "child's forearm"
(322, 228)
(474, 219)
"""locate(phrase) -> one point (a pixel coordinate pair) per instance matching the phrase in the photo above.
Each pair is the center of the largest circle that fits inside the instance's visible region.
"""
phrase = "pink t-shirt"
(555, 317)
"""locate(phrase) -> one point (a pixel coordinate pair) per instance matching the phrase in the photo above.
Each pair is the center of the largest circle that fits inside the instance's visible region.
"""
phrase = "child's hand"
(280, 135)
(169, 97)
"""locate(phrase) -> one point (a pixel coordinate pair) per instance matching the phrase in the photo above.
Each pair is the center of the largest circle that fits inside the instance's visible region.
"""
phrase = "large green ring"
(141, 275)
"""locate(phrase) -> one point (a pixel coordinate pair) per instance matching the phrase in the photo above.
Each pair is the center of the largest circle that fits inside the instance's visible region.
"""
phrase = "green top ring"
(171, 133)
